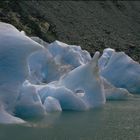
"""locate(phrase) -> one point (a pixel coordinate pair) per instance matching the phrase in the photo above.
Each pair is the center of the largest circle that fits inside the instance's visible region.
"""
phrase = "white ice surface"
(107, 53)
(28, 103)
(113, 93)
(87, 79)
(37, 77)
(69, 54)
(122, 72)
(15, 47)
(67, 99)
(44, 68)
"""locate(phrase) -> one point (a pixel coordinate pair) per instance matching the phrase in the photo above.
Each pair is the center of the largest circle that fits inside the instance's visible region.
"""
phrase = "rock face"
(94, 25)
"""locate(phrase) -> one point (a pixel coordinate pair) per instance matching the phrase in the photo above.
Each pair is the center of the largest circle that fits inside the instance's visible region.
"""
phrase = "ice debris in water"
(37, 78)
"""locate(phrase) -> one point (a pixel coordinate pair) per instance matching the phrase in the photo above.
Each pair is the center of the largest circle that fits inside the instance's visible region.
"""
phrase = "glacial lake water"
(117, 120)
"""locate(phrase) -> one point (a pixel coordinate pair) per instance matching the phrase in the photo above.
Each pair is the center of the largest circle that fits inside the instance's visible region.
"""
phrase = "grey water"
(117, 120)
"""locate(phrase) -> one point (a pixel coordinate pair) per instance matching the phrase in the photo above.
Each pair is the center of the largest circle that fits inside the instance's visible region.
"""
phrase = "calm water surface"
(117, 120)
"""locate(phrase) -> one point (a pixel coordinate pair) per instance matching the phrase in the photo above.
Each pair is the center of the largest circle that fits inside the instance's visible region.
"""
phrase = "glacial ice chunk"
(122, 72)
(38, 63)
(44, 68)
(69, 54)
(67, 99)
(28, 103)
(37, 77)
(15, 47)
(107, 53)
(54, 61)
(86, 78)
(14, 50)
(113, 93)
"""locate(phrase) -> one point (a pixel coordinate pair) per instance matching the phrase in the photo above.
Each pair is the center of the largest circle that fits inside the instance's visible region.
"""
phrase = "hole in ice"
(80, 92)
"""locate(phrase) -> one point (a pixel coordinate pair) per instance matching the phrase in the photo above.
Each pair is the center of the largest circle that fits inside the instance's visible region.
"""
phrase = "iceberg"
(15, 48)
(39, 62)
(69, 54)
(55, 60)
(44, 68)
(103, 61)
(37, 78)
(86, 78)
(67, 99)
(122, 71)
(28, 104)
(113, 93)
